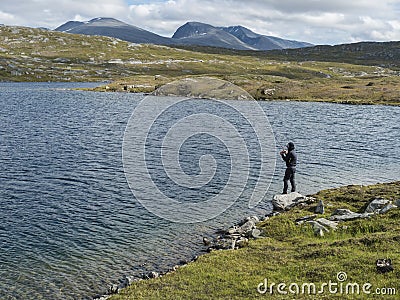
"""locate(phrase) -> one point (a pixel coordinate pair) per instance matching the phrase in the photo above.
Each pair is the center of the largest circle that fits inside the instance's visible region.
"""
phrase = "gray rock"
(206, 241)
(376, 205)
(320, 209)
(255, 233)
(327, 223)
(255, 219)
(397, 203)
(317, 225)
(341, 214)
(123, 284)
(287, 201)
(247, 227)
(113, 289)
(131, 279)
(224, 244)
(151, 275)
(232, 230)
(387, 207)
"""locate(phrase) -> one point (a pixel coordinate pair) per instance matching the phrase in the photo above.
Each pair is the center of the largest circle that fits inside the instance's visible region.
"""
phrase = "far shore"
(356, 95)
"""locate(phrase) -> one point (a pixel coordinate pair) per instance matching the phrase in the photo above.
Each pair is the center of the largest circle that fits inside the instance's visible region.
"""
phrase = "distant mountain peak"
(191, 29)
(192, 33)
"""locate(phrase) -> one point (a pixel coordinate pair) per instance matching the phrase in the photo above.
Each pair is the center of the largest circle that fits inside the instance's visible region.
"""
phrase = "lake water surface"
(70, 226)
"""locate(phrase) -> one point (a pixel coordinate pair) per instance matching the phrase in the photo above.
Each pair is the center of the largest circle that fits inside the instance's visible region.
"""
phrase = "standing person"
(290, 157)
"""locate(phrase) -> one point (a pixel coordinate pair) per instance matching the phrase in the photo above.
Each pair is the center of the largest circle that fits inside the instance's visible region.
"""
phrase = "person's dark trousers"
(289, 176)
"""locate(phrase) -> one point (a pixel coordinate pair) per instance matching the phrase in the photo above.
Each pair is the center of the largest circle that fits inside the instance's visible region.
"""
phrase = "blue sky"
(315, 21)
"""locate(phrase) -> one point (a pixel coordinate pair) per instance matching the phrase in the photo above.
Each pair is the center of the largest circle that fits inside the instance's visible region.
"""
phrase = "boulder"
(320, 209)
(287, 201)
(327, 223)
(341, 214)
(376, 205)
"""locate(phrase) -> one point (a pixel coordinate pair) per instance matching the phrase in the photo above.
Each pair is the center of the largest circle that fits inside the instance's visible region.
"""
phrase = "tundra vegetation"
(364, 73)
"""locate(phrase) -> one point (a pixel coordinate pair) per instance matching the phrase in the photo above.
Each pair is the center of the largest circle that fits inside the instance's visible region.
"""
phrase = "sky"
(315, 21)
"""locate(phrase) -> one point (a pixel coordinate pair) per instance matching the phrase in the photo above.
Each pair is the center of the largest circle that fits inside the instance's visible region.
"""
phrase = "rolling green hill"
(365, 73)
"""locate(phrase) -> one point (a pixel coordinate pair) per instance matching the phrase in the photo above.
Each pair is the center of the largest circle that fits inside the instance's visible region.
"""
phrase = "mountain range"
(191, 33)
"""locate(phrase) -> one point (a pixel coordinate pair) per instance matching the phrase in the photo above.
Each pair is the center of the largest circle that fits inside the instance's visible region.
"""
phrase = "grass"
(291, 253)
(365, 75)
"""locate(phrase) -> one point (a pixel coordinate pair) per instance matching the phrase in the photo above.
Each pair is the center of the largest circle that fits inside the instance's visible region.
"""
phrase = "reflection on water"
(70, 225)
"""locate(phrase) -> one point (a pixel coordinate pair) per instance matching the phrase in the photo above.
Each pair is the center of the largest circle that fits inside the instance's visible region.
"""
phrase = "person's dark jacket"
(291, 157)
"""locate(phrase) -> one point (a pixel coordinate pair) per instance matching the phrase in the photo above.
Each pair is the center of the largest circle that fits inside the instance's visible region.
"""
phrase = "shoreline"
(276, 217)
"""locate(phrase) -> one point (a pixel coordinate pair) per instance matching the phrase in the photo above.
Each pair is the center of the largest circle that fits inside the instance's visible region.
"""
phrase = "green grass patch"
(290, 253)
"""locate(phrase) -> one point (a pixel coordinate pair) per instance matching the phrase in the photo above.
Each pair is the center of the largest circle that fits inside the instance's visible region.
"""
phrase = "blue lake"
(70, 225)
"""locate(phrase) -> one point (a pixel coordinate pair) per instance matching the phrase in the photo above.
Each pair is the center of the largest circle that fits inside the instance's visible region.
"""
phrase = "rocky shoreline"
(238, 235)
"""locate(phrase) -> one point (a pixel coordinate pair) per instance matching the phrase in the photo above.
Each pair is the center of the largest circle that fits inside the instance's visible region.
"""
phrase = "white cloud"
(316, 21)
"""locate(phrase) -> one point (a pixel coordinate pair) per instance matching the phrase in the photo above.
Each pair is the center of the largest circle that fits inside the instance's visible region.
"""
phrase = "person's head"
(290, 146)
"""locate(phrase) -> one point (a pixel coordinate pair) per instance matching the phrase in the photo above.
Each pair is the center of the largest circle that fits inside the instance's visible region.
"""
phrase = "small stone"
(131, 279)
(255, 233)
(247, 227)
(113, 289)
(232, 230)
(397, 203)
(255, 219)
(206, 241)
(123, 284)
(320, 209)
(174, 268)
(151, 275)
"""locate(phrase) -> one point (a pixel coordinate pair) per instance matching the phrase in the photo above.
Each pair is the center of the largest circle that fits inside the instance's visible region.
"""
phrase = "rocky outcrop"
(203, 87)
